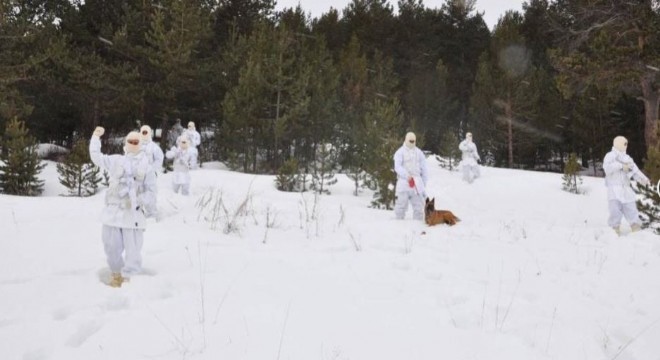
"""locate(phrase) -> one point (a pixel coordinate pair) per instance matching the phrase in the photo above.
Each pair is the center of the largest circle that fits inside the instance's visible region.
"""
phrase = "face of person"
(133, 144)
(621, 143)
(145, 133)
(411, 140)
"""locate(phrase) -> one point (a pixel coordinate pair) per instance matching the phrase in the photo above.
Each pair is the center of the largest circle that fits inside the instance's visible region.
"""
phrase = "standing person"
(183, 157)
(174, 133)
(412, 176)
(195, 140)
(469, 164)
(124, 222)
(151, 149)
(619, 167)
(155, 157)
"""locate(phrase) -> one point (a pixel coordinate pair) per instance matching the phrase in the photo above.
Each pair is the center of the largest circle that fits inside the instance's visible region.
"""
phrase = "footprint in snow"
(83, 333)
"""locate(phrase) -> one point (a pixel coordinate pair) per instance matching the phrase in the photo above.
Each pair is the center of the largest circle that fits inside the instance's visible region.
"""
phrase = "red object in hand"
(411, 182)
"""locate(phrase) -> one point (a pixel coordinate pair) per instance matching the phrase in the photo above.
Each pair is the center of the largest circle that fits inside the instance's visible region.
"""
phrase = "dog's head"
(430, 206)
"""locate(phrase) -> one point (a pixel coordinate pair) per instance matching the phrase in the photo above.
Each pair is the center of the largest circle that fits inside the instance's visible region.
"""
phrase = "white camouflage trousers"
(401, 205)
(619, 210)
(185, 188)
(123, 249)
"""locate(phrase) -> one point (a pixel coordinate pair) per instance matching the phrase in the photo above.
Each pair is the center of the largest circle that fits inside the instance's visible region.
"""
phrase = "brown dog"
(435, 217)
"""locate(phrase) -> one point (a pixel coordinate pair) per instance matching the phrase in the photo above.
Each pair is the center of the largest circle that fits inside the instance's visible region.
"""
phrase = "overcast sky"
(493, 8)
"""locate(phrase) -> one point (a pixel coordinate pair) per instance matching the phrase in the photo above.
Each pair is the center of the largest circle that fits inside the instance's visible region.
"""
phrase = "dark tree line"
(560, 77)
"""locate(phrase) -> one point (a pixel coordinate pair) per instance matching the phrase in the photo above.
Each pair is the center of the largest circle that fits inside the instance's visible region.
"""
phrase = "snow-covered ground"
(531, 272)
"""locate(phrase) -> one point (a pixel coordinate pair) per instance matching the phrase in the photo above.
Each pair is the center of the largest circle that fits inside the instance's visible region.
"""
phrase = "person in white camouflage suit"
(131, 188)
(412, 176)
(619, 168)
(155, 156)
(182, 157)
(195, 141)
(470, 157)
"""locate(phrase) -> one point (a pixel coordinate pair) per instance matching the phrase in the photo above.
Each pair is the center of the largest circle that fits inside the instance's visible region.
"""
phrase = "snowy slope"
(531, 272)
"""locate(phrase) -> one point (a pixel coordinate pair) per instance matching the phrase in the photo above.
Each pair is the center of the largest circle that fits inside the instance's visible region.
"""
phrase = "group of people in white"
(620, 169)
(132, 192)
(131, 197)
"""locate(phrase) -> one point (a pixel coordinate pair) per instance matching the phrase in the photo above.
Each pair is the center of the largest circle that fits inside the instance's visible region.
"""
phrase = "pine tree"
(77, 173)
(449, 152)
(506, 94)
(382, 121)
(287, 176)
(324, 168)
(572, 178)
(648, 201)
(20, 163)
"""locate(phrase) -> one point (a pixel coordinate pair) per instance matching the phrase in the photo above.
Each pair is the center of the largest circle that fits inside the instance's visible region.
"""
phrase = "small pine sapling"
(19, 162)
(572, 179)
(648, 199)
(78, 173)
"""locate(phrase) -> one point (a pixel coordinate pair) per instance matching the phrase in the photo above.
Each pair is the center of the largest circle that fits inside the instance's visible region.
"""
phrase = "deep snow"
(531, 272)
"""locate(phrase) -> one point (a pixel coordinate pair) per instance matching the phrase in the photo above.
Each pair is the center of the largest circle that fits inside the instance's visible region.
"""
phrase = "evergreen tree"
(174, 71)
(324, 169)
(238, 17)
(78, 173)
(506, 95)
(354, 77)
(383, 121)
(448, 150)
(649, 196)
(27, 29)
(287, 176)
(572, 179)
(611, 44)
(465, 36)
(20, 163)
(270, 97)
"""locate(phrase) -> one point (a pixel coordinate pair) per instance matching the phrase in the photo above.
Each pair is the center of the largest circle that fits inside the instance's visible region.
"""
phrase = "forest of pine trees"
(560, 77)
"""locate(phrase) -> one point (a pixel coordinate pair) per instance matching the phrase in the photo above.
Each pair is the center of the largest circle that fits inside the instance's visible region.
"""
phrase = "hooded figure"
(132, 184)
(182, 156)
(151, 149)
(155, 157)
(469, 164)
(412, 176)
(195, 140)
(175, 131)
(619, 169)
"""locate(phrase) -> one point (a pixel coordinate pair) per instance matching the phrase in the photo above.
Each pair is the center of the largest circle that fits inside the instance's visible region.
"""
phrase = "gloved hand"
(411, 182)
(99, 131)
(627, 167)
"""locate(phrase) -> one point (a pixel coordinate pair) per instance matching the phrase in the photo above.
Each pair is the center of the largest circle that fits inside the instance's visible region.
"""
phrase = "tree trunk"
(651, 98)
(509, 124)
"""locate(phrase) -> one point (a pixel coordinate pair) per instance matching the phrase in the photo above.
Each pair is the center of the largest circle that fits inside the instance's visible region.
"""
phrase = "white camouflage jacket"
(131, 186)
(617, 180)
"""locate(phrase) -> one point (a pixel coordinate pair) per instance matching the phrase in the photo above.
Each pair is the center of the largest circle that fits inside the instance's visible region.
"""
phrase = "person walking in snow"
(183, 157)
(195, 140)
(469, 163)
(412, 176)
(619, 168)
(131, 183)
(155, 156)
(175, 131)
